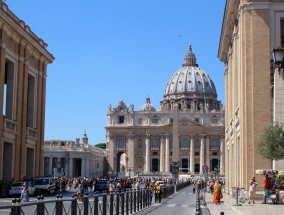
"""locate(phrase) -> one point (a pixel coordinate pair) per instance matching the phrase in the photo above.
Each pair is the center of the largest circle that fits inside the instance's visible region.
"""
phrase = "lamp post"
(277, 63)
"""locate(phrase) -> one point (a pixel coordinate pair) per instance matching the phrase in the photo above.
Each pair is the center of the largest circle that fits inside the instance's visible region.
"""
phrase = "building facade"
(23, 68)
(186, 134)
(254, 97)
(73, 159)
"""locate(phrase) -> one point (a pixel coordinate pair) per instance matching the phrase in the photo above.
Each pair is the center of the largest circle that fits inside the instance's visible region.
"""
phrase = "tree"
(101, 145)
(271, 143)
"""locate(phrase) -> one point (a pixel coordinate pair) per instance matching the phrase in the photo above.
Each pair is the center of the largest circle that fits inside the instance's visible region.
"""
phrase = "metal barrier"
(127, 203)
(198, 209)
(108, 204)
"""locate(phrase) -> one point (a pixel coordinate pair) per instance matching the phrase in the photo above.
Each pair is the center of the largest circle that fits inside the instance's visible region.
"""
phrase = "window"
(31, 101)
(155, 143)
(196, 119)
(215, 144)
(121, 119)
(184, 143)
(140, 121)
(155, 153)
(8, 90)
(120, 143)
(98, 165)
(155, 120)
(197, 144)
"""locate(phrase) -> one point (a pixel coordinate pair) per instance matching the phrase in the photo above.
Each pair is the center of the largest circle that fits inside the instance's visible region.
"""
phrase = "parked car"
(45, 185)
(17, 187)
(102, 185)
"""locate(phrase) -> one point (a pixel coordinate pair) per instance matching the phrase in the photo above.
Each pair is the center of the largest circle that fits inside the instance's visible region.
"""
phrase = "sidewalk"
(229, 207)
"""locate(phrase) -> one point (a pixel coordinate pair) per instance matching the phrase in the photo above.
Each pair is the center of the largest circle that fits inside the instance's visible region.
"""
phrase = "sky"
(111, 50)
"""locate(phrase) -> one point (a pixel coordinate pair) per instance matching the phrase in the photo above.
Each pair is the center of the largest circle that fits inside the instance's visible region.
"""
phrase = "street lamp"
(278, 58)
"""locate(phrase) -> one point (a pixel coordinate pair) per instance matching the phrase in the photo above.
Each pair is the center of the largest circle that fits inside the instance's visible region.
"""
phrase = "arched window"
(121, 143)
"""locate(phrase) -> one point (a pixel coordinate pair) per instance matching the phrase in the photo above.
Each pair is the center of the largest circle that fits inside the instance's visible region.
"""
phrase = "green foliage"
(271, 143)
(101, 145)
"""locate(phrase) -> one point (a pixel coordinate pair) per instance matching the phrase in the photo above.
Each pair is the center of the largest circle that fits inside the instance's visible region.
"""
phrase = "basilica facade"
(185, 135)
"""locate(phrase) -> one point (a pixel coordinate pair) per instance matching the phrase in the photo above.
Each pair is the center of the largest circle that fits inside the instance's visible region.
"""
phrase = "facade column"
(50, 170)
(147, 157)
(130, 155)
(201, 154)
(222, 155)
(87, 167)
(111, 153)
(208, 153)
(162, 154)
(83, 166)
(71, 167)
(192, 155)
(167, 154)
(66, 168)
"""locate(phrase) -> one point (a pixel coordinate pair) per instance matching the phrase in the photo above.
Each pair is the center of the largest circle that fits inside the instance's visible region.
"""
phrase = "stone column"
(66, 168)
(162, 154)
(71, 167)
(50, 166)
(130, 154)
(192, 155)
(147, 157)
(207, 153)
(111, 153)
(83, 168)
(167, 154)
(222, 154)
(87, 167)
(201, 153)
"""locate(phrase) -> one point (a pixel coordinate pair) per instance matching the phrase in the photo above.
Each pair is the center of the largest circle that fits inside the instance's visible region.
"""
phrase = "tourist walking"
(25, 193)
(252, 190)
(267, 186)
(217, 193)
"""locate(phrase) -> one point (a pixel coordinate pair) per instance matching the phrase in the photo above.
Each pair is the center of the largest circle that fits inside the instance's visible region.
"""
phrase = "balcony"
(10, 125)
(31, 133)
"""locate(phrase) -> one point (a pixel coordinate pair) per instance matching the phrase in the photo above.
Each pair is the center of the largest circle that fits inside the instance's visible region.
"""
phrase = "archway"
(121, 164)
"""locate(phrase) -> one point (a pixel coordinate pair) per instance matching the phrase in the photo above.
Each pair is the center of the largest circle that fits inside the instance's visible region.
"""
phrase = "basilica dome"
(190, 88)
(190, 81)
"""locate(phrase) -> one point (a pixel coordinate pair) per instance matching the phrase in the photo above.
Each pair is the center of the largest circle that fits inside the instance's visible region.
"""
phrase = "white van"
(45, 185)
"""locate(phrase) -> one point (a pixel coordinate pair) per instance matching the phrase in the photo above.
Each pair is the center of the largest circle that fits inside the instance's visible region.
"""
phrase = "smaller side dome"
(148, 106)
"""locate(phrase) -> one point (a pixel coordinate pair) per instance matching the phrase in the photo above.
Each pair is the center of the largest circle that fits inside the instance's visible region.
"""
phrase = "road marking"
(171, 205)
(184, 206)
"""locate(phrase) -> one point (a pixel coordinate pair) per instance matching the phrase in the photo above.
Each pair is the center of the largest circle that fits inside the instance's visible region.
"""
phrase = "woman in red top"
(267, 185)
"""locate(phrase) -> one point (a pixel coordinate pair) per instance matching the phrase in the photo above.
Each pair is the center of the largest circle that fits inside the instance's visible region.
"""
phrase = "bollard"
(127, 203)
(134, 200)
(73, 206)
(96, 204)
(122, 203)
(131, 201)
(104, 203)
(117, 203)
(111, 204)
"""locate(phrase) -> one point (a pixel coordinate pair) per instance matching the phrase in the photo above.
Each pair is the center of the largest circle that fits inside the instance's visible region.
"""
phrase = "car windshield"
(17, 184)
(41, 181)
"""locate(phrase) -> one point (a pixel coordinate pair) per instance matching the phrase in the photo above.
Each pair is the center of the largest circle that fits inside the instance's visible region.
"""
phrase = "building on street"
(73, 159)
(184, 135)
(23, 71)
(254, 91)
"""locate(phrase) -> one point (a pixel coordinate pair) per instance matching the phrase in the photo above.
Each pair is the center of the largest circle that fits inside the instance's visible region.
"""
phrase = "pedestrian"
(193, 186)
(111, 188)
(80, 189)
(217, 194)
(252, 190)
(267, 186)
(151, 190)
(158, 193)
(137, 186)
(25, 193)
